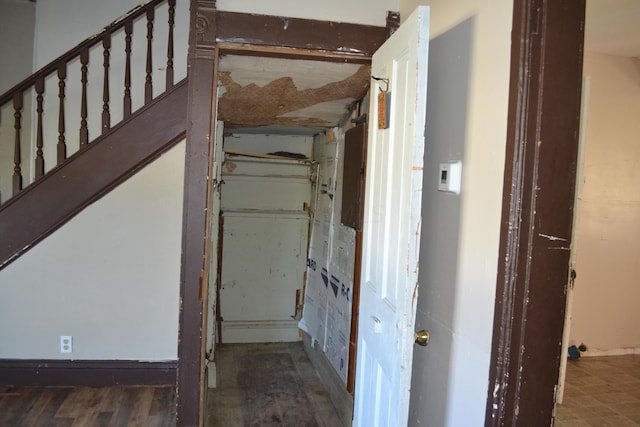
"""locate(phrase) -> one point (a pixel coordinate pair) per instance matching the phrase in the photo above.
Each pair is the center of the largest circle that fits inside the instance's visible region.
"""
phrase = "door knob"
(421, 337)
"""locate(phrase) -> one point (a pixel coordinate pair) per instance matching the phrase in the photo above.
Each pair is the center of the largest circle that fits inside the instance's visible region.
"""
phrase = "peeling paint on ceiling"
(258, 91)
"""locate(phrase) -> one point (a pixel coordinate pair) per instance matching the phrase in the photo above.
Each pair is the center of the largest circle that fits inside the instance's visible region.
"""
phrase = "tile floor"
(601, 391)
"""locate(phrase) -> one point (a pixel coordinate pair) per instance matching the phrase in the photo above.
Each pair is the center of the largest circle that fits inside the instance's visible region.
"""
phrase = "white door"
(586, 90)
(391, 235)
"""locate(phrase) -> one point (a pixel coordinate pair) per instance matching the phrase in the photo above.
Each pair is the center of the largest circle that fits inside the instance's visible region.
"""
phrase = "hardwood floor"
(259, 385)
(270, 384)
(85, 406)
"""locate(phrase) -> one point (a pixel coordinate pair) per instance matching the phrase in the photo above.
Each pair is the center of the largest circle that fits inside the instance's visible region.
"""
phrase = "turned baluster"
(84, 130)
(148, 85)
(62, 144)
(17, 170)
(39, 86)
(106, 115)
(128, 29)
(172, 12)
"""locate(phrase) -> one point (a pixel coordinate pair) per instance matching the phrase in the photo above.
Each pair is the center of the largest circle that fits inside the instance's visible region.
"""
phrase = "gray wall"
(467, 102)
(448, 92)
(17, 25)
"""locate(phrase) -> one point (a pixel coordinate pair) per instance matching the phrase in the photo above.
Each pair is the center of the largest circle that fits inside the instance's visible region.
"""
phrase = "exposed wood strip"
(255, 154)
(172, 12)
(39, 164)
(148, 85)
(291, 53)
(128, 29)
(17, 157)
(106, 115)
(62, 144)
(84, 130)
(355, 313)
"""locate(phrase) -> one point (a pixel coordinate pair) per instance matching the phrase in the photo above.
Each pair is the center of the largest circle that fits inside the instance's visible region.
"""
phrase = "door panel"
(263, 264)
(391, 233)
(265, 238)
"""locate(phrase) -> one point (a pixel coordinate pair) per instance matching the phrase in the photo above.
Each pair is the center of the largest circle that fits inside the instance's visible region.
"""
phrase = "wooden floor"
(85, 406)
(270, 384)
(258, 385)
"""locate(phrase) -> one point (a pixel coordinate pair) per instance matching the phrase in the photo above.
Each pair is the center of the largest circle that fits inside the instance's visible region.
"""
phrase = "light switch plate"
(450, 177)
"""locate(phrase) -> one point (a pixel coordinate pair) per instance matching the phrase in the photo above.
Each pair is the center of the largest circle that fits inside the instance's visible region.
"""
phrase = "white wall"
(607, 246)
(17, 23)
(110, 277)
(370, 12)
(466, 120)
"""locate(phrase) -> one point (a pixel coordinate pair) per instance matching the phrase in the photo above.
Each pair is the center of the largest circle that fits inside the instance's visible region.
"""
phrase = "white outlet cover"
(66, 344)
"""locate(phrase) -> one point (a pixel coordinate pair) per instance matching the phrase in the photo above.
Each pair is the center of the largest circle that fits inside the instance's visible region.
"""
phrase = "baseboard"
(596, 352)
(337, 389)
(234, 332)
(86, 373)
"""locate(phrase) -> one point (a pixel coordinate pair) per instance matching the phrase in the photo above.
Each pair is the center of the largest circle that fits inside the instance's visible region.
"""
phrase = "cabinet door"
(355, 156)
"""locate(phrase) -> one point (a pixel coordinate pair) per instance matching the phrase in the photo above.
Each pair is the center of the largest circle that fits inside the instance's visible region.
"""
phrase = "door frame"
(537, 214)
(541, 41)
(212, 33)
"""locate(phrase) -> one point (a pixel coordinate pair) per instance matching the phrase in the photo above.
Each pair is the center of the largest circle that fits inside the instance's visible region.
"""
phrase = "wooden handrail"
(75, 52)
(19, 94)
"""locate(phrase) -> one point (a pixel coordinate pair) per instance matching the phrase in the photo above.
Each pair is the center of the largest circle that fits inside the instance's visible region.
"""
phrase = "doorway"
(264, 223)
(603, 316)
(217, 33)
(281, 143)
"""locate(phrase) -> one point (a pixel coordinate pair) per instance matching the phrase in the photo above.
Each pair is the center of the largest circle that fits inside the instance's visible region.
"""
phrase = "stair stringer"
(89, 174)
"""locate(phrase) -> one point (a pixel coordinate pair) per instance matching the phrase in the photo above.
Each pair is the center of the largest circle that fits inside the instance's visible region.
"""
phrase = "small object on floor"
(582, 348)
(574, 353)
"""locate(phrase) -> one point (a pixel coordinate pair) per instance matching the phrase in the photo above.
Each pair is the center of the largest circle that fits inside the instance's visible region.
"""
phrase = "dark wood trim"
(348, 40)
(86, 373)
(393, 22)
(201, 118)
(227, 48)
(537, 215)
(355, 315)
(91, 173)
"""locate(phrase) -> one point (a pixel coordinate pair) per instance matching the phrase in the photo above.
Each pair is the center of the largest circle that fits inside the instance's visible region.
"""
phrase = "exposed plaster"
(280, 102)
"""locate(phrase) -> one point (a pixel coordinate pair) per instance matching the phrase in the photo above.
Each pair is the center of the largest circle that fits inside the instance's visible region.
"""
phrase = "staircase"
(44, 198)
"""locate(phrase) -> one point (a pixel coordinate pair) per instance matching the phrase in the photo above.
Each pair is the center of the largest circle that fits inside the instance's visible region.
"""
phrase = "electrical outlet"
(66, 344)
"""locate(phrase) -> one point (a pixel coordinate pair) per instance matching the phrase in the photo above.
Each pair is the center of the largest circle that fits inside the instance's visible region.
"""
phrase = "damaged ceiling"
(283, 93)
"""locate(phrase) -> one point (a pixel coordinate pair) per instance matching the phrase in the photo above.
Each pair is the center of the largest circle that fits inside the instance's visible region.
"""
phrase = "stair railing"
(40, 124)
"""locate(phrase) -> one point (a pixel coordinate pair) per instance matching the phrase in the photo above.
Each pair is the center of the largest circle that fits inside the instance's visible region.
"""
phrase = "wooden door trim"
(539, 184)
(205, 38)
